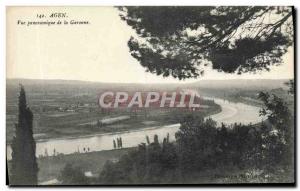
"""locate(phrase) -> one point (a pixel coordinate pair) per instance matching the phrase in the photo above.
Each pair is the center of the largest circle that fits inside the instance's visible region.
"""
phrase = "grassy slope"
(50, 167)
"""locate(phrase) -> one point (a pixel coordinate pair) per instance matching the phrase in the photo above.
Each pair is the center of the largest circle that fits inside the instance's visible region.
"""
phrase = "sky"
(94, 52)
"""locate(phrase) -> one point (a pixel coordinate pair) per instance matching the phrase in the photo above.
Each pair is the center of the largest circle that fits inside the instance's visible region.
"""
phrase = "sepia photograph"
(150, 95)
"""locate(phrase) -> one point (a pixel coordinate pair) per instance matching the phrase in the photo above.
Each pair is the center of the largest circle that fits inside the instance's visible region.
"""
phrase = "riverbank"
(68, 127)
(242, 114)
(90, 162)
(145, 127)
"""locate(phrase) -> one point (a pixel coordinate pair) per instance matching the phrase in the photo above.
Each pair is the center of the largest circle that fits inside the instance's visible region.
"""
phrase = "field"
(50, 167)
(70, 109)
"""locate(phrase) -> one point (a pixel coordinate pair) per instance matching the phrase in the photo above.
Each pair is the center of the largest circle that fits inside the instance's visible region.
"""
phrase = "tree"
(72, 176)
(277, 131)
(155, 139)
(118, 143)
(121, 142)
(114, 143)
(197, 143)
(200, 147)
(24, 165)
(147, 139)
(277, 112)
(291, 86)
(182, 41)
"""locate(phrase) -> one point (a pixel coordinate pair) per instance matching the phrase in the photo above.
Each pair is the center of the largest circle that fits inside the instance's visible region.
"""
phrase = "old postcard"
(150, 95)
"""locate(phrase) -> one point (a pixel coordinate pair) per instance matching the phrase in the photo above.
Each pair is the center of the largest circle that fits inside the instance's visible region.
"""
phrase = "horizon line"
(179, 82)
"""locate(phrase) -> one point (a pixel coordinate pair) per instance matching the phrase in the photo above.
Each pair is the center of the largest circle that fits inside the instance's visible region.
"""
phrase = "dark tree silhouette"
(24, 165)
(121, 142)
(72, 176)
(277, 131)
(182, 41)
(118, 142)
(147, 139)
(114, 143)
(156, 139)
(291, 86)
(201, 147)
(276, 110)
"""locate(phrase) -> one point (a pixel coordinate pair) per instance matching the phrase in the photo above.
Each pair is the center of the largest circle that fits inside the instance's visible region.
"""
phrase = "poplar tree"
(24, 164)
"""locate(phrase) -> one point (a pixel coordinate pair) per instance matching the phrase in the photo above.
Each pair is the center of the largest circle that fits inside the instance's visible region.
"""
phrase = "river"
(231, 113)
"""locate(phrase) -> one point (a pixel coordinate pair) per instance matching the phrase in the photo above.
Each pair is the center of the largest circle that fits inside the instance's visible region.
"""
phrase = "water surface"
(231, 113)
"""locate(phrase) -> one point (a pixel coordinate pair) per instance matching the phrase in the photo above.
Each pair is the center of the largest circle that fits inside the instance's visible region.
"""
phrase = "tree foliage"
(201, 146)
(291, 86)
(151, 163)
(277, 131)
(182, 41)
(277, 112)
(72, 176)
(24, 166)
